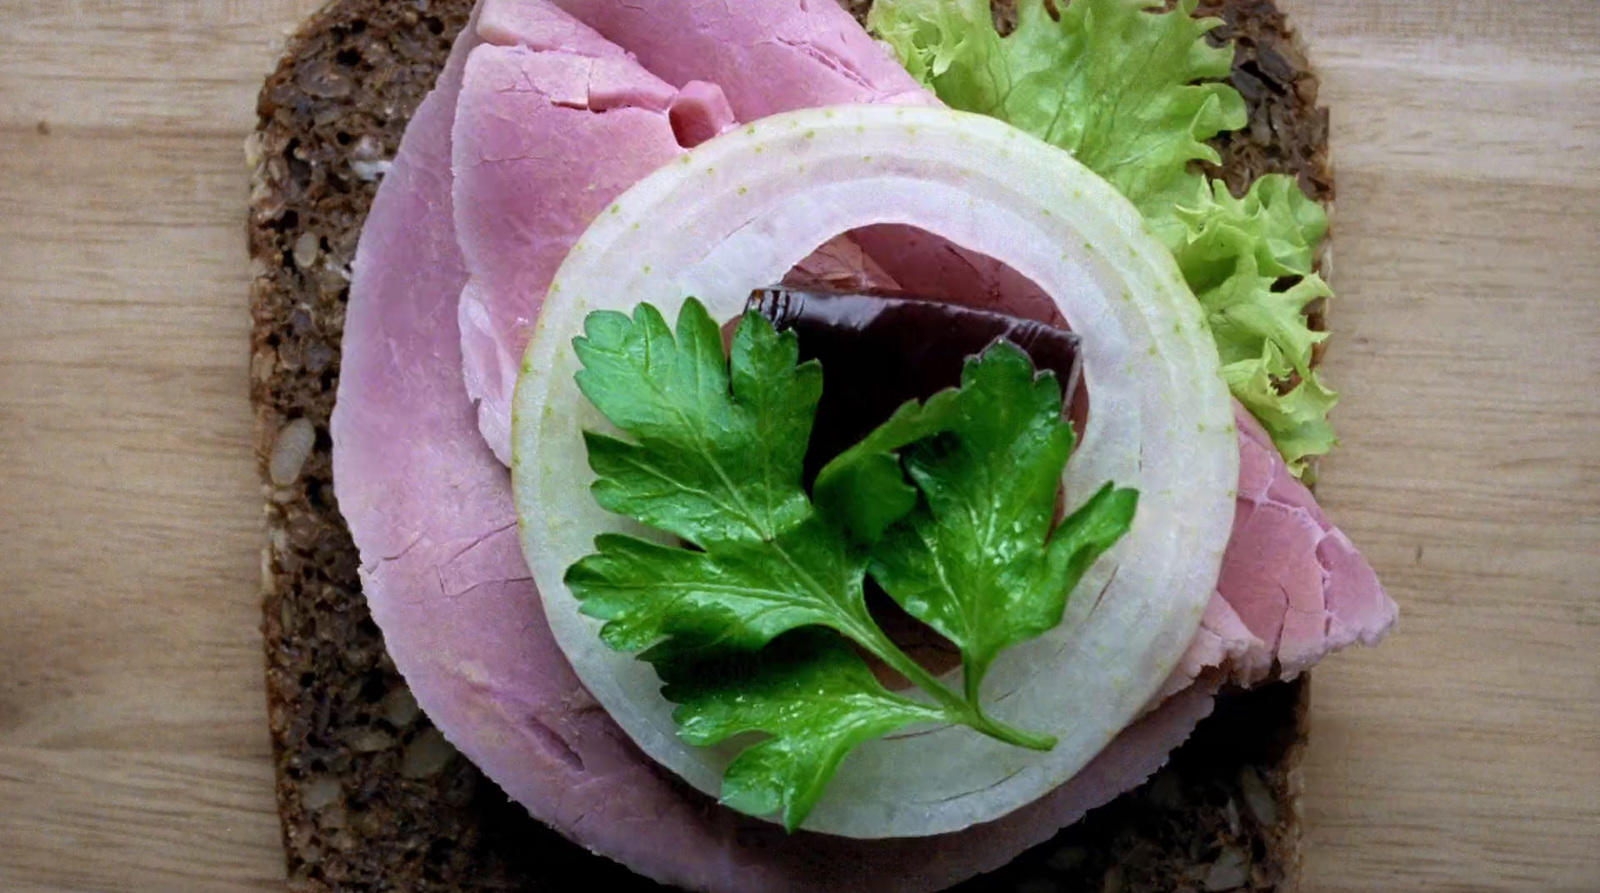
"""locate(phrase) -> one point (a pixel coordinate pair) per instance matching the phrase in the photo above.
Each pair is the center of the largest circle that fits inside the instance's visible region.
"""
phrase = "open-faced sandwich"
(791, 455)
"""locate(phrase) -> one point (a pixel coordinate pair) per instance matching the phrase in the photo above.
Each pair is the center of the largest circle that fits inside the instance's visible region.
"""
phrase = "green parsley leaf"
(706, 467)
(863, 488)
(1134, 94)
(977, 560)
(737, 595)
(718, 463)
(814, 698)
(773, 588)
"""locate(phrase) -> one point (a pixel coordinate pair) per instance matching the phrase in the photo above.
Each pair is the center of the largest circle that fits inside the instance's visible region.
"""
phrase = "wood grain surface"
(1464, 755)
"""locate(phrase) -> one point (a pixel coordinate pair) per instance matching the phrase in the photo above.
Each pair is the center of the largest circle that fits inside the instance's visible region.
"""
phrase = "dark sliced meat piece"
(883, 351)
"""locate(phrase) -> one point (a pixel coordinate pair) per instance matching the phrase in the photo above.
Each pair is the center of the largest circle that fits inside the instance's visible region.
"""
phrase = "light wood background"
(1464, 755)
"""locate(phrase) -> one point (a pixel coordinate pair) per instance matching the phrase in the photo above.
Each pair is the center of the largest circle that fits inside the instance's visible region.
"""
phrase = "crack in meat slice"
(1293, 577)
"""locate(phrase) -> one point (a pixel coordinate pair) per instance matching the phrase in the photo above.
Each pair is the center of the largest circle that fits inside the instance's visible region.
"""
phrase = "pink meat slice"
(839, 264)
(553, 123)
(769, 56)
(774, 56)
(1294, 579)
(1223, 647)
(1293, 588)
(934, 267)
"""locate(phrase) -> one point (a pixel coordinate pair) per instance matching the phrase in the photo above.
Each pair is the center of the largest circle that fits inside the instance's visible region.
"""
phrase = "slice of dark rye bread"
(371, 796)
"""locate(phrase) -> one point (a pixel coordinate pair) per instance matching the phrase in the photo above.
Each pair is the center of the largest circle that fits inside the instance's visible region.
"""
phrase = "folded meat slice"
(1295, 580)
(840, 265)
(553, 123)
(1293, 587)
(776, 56)
(929, 266)
(769, 55)
(540, 26)
(1224, 648)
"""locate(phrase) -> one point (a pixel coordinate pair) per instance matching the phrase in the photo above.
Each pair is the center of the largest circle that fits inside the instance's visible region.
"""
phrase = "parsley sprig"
(750, 620)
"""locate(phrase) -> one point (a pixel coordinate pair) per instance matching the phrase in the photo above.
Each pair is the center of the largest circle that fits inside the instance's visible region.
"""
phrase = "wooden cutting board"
(1464, 755)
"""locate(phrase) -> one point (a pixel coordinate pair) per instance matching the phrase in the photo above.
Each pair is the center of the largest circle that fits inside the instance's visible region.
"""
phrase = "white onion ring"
(737, 214)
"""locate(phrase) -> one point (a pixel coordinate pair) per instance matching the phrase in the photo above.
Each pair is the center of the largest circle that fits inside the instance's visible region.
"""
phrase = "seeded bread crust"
(371, 796)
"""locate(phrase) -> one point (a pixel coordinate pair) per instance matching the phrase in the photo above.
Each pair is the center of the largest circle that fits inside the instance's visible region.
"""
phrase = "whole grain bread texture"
(371, 796)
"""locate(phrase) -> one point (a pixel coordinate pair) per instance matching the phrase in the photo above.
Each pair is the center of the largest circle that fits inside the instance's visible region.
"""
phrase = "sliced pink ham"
(401, 306)
(932, 267)
(553, 123)
(1295, 580)
(1293, 587)
(774, 56)
(841, 265)
(1224, 643)
(769, 55)
(541, 26)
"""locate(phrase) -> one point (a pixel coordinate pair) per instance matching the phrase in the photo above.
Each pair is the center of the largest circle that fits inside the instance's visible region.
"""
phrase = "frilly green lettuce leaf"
(1133, 96)
(1250, 261)
(1297, 420)
(1134, 93)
